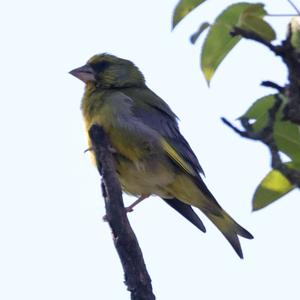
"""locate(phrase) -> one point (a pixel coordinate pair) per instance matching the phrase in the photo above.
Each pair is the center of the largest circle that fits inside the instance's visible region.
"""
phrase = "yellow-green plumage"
(151, 155)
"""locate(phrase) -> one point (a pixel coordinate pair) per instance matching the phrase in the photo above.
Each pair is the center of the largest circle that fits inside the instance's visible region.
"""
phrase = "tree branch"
(137, 278)
(251, 35)
(273, 85)
(294, 6)
(265, 135)
(291, 58)
(291, 110)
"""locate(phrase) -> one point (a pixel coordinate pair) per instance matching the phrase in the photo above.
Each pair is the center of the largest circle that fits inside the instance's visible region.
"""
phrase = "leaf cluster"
(246, 20)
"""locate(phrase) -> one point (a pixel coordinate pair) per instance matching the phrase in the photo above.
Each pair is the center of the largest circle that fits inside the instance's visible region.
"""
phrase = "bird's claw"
(127, 210)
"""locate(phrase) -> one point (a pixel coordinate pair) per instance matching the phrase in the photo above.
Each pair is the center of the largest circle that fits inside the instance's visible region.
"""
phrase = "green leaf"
(216, 46)
(196, 35)
(286, 134)
(219, 42)
(256, 9)
(272, 187)
(287, 138)
(258, 111)
(259, 26)
(251, 20)
(183, 8)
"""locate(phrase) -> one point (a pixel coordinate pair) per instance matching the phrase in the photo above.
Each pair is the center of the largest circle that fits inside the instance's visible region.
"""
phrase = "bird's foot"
(130, 207)
(127, 210)
(140, 199)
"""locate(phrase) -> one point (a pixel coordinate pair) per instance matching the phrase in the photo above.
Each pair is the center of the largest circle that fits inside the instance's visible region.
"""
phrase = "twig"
(282, 15)
(294, 6)
(137, 278)
(265, 135)
(290, 57)
(251, 35)
(245, 134)
(273, 85)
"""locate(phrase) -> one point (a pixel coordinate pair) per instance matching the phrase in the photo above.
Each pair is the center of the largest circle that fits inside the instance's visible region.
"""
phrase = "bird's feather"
(151, 155)
(157, 114)
(186, 211)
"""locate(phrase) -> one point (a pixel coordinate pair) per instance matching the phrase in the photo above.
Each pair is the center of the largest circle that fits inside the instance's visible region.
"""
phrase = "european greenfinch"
(151, 156)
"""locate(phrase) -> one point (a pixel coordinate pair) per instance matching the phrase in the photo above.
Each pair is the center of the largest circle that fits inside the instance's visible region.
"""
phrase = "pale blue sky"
(54, 244)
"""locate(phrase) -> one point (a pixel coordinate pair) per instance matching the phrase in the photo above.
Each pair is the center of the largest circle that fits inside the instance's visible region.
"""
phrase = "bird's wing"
(156, 114)
(186, 211)
(145, 125)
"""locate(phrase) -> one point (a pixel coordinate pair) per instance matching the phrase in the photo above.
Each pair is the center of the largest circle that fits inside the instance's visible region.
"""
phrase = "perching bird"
(151, 155)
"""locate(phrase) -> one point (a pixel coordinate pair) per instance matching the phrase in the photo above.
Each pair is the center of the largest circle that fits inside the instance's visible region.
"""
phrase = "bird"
(151, 156)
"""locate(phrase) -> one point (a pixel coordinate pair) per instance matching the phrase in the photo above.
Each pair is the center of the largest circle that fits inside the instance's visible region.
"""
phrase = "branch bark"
(251, 35)
(137, 279)
(291, 58)
(265, 135)
(291, 110)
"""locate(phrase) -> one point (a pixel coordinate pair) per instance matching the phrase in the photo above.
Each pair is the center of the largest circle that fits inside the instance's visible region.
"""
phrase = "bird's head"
(108, 71)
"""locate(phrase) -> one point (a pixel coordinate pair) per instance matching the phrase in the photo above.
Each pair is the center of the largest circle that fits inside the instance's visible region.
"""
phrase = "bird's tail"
(229, 228)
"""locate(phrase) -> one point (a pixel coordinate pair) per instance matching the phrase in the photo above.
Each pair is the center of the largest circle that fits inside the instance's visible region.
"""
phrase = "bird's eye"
(100, 66)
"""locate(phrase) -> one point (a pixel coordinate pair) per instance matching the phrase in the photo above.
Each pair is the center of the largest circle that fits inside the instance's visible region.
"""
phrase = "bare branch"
(273, 85)
(265, 135)
(291, 58)
(294, 6)
(282, 15)
(137, 278)
(251, 35)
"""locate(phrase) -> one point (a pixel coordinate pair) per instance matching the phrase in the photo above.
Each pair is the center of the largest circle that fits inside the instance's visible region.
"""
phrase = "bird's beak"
(84, 73)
